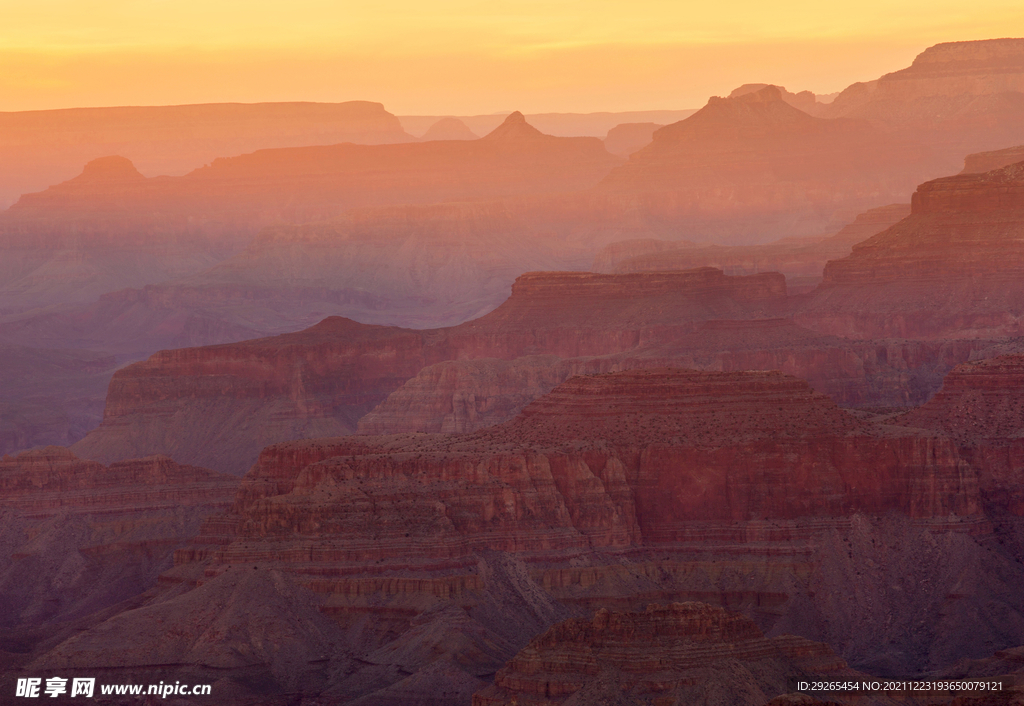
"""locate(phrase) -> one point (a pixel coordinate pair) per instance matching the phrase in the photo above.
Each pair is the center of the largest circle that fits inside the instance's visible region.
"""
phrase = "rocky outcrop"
(593, 464)
(689, 653)
(77, 536)
(756, 159)
(221, 404)
(956, 97)
(979, 406)
(988, 161)
(572, 314)
(438, 556)
(952, 268)
(218, 406)
(950, 70)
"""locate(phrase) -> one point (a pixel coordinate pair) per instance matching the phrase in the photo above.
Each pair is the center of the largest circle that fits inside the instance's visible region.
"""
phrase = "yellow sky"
(457, 56)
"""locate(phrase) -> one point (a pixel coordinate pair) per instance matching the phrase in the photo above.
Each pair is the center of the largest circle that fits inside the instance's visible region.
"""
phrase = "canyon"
(679, 653)
(389, 568)
(341, 417)
(950, 268)
(78, 538)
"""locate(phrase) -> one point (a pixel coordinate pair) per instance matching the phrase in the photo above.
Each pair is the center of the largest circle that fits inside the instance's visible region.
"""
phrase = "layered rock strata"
(437, 557)
(952, 268)
(466, 395)
(980, 407)
(679, 653)
(956, 97)
(77, 536)
(223, 403)
(219, 405)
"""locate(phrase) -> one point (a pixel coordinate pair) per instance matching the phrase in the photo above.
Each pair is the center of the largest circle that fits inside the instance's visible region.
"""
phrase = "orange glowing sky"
(461, 56)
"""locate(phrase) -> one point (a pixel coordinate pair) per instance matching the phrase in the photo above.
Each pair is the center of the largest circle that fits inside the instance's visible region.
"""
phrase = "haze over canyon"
(320, 405)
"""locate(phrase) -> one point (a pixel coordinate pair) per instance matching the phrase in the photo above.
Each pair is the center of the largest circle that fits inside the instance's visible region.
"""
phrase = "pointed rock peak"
(515, 127)
(113, 168)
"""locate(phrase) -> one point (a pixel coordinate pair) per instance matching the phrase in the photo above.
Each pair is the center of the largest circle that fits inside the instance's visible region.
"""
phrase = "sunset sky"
(463, 57)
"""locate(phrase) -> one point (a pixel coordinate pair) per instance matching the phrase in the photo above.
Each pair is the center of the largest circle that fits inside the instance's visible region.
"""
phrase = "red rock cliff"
(952, 268)
(678, 653)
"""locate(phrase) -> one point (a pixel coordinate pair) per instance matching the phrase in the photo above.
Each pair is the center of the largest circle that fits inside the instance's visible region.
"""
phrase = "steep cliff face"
(950, 70)
(645, 457)
(678, 653)
(77, 536)
(754, 158)
(571, 314)
(438, 556)
(956, 97)
(979, 406)
(951, 268)
(997, 159)
(221, 404)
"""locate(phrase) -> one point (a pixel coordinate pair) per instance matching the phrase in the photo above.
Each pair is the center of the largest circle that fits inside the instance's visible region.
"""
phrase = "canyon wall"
(952, 268)
(78, 537)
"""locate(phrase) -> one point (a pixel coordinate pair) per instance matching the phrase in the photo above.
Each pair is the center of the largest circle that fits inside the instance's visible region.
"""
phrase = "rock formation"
(952, 268)
(956, 97)
(804, 100)
(218, 406)
(224, 403)
(979, 406)
(437, 557)
(688, 653)
(988, 161)
(112, 228)
(77, 537)
(42, 147)
(755, 159)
